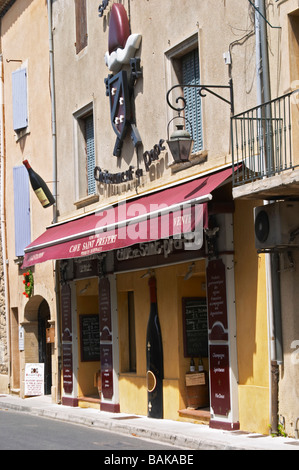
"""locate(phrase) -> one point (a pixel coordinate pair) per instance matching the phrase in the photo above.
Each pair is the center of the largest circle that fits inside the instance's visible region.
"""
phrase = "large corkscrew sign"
(119, 86)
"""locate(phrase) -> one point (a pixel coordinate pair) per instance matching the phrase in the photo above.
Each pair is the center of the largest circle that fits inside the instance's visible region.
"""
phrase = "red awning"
(170, 212)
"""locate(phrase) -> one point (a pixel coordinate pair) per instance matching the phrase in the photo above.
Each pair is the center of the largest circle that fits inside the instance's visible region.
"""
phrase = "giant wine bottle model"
(40, 188)
(154, 357)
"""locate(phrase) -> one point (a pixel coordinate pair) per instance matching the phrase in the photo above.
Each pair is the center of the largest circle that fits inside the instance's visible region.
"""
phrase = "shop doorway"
(194, 316)
(37, 350)
(44, 349)
(89, 356)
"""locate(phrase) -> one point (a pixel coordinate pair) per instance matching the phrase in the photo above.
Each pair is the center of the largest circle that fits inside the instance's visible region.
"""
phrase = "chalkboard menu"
(90, 338)
(195, 327)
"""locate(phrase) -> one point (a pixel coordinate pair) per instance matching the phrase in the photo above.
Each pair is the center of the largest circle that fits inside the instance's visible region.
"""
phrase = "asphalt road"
(22, 431)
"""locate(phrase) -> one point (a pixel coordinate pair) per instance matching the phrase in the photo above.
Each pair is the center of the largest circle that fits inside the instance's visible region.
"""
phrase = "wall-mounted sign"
(219, 375)
(216, 286)
(122, 44)
(67, 346)
(21, 338)
(116, 178)
(149, 156)
(67, 367)
(105, 310)
(107, 371)
(218, 337)
(106, 344)
(157, 253)
(34, 380)
(122, 47)
(66, 313)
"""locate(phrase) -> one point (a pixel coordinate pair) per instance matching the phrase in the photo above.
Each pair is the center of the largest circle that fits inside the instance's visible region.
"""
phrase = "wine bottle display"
(40, 188)
(154, 357)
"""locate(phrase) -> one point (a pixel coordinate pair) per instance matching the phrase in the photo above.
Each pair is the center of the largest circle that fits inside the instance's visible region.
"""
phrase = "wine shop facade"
(135, 232)
(105, 306)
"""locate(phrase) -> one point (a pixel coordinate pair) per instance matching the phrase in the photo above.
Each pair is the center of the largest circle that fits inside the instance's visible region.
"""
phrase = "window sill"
(86, 201)
(195, 159)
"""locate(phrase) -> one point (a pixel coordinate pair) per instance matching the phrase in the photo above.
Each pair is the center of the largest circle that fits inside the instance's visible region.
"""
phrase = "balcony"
(265, 148)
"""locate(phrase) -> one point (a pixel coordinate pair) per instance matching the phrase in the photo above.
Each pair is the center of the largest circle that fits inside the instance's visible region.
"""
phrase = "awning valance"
(165, 213)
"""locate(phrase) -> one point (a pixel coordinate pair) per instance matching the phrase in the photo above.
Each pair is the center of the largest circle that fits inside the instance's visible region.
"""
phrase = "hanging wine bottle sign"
(40, 188)
(154, 357)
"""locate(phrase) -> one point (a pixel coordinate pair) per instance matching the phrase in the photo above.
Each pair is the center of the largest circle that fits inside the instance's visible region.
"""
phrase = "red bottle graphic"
(154, 357)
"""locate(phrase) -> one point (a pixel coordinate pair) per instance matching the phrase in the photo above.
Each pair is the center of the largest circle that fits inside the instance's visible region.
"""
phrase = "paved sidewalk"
(187, 436)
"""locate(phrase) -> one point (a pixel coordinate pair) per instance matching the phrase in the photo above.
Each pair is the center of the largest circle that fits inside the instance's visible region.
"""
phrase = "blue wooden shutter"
(191, 76)
(21, 209)
(19, 99)
(90, 154)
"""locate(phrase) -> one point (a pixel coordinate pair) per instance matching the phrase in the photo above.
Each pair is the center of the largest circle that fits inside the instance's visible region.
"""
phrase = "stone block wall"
(3, 326)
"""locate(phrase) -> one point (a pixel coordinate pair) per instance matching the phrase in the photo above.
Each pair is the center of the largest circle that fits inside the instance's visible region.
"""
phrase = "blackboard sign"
(90, 338)
(195, 327)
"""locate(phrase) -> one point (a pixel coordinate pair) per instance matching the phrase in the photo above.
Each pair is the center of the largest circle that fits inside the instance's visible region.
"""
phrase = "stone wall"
(3, 331)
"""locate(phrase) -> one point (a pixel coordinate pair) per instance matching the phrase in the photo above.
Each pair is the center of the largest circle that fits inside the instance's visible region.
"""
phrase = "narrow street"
(20, 431)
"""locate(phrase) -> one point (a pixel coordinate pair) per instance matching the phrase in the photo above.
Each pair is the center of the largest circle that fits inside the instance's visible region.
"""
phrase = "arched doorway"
(37, 317)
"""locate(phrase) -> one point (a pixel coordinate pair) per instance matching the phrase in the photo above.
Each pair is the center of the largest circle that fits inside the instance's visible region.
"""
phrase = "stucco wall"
(252, 324)
(84, 74)
(25, 42)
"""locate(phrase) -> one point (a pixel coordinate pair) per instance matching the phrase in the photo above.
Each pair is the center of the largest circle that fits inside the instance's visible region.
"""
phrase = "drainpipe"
(53, 109)
(3, 222)
(55, 210)
(272, 260)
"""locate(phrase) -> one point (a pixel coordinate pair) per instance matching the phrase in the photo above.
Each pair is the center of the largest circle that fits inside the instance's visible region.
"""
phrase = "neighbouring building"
(268, 150)
(148, 265)
(26, 125)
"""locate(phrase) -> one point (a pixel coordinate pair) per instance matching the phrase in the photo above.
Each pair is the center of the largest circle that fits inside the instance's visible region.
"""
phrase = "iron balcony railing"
(264, 140)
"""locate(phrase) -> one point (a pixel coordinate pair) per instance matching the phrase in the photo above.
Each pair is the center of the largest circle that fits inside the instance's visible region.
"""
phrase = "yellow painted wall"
(252, 329)
(171, 287)
(87, 303)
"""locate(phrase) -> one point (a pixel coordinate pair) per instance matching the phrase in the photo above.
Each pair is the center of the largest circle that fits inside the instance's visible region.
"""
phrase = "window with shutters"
(21, 209)
(183, 67)
(19, 99)
(90, 157)
(81, 25)
(190, 76)
(85, 155)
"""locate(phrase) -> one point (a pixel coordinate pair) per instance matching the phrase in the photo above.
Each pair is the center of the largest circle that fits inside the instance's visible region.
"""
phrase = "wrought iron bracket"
(201, 90)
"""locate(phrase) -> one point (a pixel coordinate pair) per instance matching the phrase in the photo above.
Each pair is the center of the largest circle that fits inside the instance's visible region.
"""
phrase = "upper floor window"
(85, 152)
(19, 99)
(191, 76)
(183, 67)
(81, 25)
(21, 209)
(90, 156)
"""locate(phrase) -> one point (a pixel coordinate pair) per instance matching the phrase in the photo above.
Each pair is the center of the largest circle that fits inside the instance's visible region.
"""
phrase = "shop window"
(85, 153)
(81, 25)
(184, 68)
